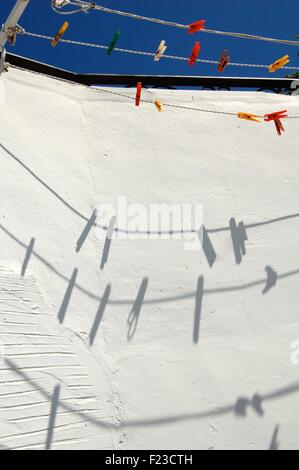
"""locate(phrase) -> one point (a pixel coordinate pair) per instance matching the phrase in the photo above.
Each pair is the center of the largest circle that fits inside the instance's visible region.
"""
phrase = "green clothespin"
(113, 42)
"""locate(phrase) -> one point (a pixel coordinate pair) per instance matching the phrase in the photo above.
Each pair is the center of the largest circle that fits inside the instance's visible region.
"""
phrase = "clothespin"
(138, 94)
(160, 51)
(223, 61)
(194, 53)
(113, 42)
(60, 3)
(12, 34)
(249, 117)
(196, 26)
(159, 105)
(60, 33)
(279, 63)
(276, 118)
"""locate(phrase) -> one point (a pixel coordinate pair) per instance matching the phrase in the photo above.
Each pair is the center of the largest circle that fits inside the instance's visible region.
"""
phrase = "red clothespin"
(138, 94)
(196, 26)
(276, 118)
(194, 53)
(223, 61)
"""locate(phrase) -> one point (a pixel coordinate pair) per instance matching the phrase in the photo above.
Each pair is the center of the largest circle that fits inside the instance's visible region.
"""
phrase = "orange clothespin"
(60, 33)
(223, 61)
(159, 105)
(279, 63)
(160, 51)
(194, 53)
(249, 117)
(138, 94)
(276, 118)
(196, 26)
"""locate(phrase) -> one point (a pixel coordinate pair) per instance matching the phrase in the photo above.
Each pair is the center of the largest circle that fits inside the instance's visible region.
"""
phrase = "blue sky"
(272, 18)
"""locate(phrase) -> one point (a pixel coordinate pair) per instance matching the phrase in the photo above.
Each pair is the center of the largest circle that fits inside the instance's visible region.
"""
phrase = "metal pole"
(12, 21)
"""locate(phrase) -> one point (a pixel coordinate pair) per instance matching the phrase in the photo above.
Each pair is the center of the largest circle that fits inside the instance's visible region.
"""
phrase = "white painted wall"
(66, 149)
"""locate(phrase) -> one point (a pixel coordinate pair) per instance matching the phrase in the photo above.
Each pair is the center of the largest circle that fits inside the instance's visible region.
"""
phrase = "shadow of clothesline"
(238, 408)
(189, 295)
(147, 232)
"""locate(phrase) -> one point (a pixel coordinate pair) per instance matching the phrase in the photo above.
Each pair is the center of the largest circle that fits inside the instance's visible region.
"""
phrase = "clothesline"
(89, 6)
(143, 100)
(143, 53)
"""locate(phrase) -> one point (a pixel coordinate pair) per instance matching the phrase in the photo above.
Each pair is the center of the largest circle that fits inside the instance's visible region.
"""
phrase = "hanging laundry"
(276, 118)
(113, 42)
(249, 117)
(279, 64)
(196, 26)
(160, 51)
(159, 105)
(194, 53)
(223, 61)
(60, 33)
(138, 94)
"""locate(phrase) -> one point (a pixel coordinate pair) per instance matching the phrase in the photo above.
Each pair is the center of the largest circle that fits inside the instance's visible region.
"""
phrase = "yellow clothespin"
(279, 63)
(159, 105)
(249, 116)
(160, 51)
(62, 30)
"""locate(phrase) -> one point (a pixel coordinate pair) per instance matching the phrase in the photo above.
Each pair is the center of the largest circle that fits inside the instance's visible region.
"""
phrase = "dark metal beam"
(277, 85)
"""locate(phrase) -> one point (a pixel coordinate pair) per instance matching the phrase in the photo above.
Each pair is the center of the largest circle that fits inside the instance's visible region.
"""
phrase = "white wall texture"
(204, 369)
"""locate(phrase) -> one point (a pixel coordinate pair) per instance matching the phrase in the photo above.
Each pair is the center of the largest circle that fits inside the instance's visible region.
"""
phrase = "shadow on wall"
(188, 295)
(67, 296)
(108, 240)
(52, 417)
(198, 306)
(99, 314)
(27, 256)
(75, 211)
(271, 279)
(256, 402)
(135, 312)
(239, 236)
(207, 246)
(242, 404)
(87, 228)
(274, 444)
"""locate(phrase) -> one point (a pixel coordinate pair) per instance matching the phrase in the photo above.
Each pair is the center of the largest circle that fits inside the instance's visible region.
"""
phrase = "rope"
(148, 54)
(87, 6)
(169, 105)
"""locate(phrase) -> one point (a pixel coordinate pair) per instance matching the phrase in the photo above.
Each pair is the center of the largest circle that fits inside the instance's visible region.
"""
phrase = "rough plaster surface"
(162, 347)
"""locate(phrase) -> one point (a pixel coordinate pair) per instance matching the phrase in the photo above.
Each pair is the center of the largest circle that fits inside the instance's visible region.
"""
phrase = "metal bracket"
(10, 28)
(3, 65)
(295, 87)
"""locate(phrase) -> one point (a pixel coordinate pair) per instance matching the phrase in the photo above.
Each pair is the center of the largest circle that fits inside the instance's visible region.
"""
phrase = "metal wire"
(112, 92)
(148, 54)
(88, 6)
